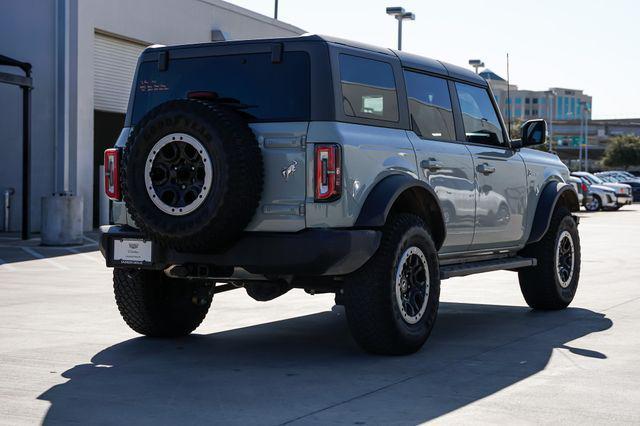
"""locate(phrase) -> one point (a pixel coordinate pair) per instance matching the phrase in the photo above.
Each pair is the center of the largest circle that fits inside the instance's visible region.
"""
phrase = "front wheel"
(594, 205)
(391, 302)
(553, 282)
(155, 305)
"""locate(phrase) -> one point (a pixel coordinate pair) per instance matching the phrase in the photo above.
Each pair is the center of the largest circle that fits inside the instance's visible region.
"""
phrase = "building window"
(368, 88)
(430, 106)
(527, 112)
(527, 100)
(518, 112)
(559, 108)
(535, 100)
(518, 100)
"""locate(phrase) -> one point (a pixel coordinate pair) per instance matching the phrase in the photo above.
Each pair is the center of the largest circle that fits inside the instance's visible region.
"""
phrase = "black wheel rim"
(565, 259)
(412, 285)
(178, 174)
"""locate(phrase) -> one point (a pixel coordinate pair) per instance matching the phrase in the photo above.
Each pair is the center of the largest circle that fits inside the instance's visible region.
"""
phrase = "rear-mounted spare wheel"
(192, 175)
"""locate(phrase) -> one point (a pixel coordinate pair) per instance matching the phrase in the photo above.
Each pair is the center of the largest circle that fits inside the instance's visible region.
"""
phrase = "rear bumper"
(306, 253)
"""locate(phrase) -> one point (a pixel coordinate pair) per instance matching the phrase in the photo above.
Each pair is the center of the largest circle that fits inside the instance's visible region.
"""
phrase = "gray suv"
(330, 166)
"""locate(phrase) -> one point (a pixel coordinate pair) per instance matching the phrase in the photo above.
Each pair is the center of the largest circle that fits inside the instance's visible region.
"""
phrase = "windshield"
(593, 178)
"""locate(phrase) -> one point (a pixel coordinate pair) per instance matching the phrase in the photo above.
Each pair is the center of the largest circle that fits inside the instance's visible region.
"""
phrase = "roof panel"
(464, 74)
(410, 60)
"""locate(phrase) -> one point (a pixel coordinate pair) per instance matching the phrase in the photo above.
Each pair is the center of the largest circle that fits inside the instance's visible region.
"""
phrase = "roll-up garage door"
(114, 65)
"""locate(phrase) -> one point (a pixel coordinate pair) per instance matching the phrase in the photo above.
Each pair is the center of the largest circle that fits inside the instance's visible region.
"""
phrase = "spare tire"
(191, 175)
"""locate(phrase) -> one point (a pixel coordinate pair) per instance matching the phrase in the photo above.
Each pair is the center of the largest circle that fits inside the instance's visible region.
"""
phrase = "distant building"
(567, 135)
(556, 103)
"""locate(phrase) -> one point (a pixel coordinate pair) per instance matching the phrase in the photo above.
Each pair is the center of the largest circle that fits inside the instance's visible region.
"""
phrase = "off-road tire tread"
(538, 283)
(154, 306)
(367, 303)
(241, 191)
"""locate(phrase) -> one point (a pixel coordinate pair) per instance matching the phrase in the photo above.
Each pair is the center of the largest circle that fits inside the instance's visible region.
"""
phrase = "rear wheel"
(155, 305)
(553, 282)
(391, 303)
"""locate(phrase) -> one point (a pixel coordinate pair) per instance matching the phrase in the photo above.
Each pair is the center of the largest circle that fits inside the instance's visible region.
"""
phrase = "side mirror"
(534, 132)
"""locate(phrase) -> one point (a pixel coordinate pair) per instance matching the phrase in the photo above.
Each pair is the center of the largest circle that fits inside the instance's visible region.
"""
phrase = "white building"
(84, 54)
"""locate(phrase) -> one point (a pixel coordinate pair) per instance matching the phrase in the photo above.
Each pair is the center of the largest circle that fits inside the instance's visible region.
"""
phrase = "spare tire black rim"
(412, 285)
(178, 174)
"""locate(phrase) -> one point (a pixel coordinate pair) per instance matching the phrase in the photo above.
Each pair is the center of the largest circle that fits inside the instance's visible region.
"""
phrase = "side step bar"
(469, 268)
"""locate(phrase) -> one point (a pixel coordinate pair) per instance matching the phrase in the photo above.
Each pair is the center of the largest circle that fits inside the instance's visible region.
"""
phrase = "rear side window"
(430, 106)
(265, 91)
(368, 88)
(481, 124)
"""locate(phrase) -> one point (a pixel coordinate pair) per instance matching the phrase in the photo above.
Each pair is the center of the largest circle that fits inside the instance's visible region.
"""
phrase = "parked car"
(622, 191)
(602, 196)
(623, 177)
(582, 190)
(323, 164)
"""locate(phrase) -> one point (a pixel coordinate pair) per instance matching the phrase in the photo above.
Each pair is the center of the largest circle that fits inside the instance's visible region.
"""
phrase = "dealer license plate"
(132, 251)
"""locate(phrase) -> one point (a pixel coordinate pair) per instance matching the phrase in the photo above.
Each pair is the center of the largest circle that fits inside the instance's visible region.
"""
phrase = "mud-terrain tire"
(548, 286)
(374, 295)
(158, 306)
(222, 209)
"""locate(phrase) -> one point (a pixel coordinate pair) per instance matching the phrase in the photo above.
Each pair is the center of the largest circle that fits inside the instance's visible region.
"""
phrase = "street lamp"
(400, 15)
(476, 63)
(585, 112)
(551, 106)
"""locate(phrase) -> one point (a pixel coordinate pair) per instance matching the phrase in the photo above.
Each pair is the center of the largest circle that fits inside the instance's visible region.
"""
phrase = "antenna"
(508, 99)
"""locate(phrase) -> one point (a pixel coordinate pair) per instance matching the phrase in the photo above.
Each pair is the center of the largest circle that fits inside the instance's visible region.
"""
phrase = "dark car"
(623, 177)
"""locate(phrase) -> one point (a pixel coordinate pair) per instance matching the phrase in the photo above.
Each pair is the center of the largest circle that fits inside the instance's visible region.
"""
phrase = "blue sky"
(590, 44)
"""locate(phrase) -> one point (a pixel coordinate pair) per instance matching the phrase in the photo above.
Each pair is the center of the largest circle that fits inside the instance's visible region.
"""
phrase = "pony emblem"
(289, 170)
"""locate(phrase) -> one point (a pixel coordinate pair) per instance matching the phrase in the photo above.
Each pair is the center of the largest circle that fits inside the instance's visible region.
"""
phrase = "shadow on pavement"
(14, 250)
(307, 368)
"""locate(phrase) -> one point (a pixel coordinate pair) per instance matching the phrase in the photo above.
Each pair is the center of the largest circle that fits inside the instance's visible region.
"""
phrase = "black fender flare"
(384, 194)
(549, 198)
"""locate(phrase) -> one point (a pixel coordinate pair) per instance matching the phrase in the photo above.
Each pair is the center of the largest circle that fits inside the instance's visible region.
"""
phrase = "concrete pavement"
(66, 356)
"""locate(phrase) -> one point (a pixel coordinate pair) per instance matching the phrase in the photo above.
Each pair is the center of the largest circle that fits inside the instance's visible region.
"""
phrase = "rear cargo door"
(269, 86)
(283, 197)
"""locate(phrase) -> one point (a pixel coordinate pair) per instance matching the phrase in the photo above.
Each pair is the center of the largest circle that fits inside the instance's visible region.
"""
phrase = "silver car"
(622, 191)
(329, 166)
(601, 196)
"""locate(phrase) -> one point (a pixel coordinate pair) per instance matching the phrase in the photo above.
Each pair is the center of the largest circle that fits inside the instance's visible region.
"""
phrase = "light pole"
(400, 15)
(551, 107)
(476, 63)
(275, 13)
(587, 111)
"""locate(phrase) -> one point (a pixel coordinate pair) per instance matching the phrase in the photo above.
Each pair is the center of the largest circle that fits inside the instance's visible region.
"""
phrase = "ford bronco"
(330, 166)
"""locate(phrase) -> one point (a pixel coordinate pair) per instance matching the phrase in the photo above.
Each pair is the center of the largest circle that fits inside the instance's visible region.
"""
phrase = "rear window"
(267, 91)
(368, 88)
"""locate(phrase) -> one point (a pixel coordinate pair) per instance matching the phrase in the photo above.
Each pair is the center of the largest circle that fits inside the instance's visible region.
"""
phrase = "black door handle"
(431, 164)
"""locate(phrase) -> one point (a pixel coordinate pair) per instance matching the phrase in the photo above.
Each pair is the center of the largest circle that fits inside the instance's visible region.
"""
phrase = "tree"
(622, 151)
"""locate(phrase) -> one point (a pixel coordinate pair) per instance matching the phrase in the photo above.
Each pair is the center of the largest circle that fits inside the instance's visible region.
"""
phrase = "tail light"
(584, 187)
(328, 172)
(112, 173)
